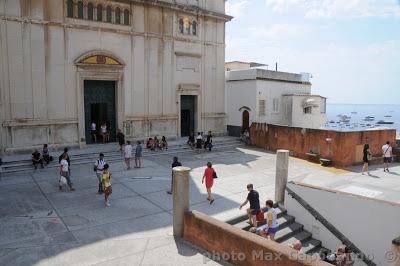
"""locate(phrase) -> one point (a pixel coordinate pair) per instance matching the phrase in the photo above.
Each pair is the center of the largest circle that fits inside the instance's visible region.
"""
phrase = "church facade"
(149, 68)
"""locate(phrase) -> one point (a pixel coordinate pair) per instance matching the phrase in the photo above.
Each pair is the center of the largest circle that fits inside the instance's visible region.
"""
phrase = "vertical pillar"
(394, 255)
(282, 166)
(180, 198)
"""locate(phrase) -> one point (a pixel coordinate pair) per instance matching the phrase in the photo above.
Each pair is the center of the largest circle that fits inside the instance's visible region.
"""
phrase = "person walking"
(68, 159)
(128, 154)
(93, 132)
(209, 175)
(272, 226)
(199, 141)
(175, 163)
(64, 171)
(46, 156)
(98, 168)
(106, 182)
(138, 155)
(121, 139)
(191, 141)
(366, 158)
(208, 142)
(387, 156)
(254, 200)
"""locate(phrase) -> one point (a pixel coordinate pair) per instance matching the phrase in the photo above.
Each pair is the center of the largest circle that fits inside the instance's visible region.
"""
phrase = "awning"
(310, 102)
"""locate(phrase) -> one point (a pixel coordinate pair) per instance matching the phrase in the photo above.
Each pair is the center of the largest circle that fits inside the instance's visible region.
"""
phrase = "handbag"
(215, 174)
(62, 181)
(260, 216)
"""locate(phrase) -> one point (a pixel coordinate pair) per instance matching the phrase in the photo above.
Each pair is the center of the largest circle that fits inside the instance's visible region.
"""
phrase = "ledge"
(240, 247)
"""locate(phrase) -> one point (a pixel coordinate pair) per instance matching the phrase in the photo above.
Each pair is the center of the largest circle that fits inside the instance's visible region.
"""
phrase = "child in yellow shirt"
(106, 182)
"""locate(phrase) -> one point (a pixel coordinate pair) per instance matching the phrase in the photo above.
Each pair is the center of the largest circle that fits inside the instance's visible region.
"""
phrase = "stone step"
(283, 221)
(311, 246)
(280, 211)
(75, 160)
(110, 150)
(288, 231)
(302, 236)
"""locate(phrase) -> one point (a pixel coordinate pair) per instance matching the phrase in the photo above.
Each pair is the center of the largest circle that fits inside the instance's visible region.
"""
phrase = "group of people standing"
(128, 154)
(387, 155)
(104, 132)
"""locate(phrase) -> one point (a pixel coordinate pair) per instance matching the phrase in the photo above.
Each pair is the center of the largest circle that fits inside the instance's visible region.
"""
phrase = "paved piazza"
(42, 226)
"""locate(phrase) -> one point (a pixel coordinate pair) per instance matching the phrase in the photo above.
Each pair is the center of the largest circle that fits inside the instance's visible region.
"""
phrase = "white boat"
(382, 122)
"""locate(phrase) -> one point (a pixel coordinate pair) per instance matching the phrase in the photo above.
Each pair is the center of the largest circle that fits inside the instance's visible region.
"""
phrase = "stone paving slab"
(41, 226)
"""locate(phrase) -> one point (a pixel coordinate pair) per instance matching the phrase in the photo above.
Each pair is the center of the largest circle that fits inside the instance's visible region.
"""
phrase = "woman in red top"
(208, 175)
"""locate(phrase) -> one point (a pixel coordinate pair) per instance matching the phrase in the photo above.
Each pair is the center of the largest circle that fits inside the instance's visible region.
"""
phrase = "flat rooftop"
(264, 74)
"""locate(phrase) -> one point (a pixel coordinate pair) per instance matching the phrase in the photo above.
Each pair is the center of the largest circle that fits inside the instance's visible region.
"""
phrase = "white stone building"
(274, 97)
(147, 67)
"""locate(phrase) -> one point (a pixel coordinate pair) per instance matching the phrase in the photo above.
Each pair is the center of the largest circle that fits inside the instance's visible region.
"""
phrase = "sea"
(352, 117)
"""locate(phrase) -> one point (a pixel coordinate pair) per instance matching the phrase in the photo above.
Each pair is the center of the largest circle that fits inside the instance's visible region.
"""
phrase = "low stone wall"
(226, 242)
(343, 148)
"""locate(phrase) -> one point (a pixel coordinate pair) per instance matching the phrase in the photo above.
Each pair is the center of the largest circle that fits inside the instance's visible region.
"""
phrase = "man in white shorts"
(387, 156)
(272, 226)
(128, 154)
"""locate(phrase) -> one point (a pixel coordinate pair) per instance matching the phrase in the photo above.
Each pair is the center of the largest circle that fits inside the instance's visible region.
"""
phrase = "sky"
(351, 47)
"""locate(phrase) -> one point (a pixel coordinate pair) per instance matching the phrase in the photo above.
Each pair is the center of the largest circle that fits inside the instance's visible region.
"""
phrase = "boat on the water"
(369, 118)
(388, 116)
(382, 122)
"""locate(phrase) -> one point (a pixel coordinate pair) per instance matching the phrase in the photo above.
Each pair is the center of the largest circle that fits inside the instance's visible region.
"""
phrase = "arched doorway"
(100, 75)
(245, 120)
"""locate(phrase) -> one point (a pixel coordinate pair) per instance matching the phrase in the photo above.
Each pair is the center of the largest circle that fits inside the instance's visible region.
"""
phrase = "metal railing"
(330, 227)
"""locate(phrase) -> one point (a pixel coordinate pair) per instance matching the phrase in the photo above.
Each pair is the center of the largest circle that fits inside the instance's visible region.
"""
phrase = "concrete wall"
(239, 95)
(344, 148)
(269, 90)
(370, 224)
(40, 91)
(244, 89)
(293, 110)
(237, 246)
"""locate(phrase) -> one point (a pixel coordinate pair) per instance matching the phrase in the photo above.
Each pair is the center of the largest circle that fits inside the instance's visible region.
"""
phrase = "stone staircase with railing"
(289, 231)
(22, 162)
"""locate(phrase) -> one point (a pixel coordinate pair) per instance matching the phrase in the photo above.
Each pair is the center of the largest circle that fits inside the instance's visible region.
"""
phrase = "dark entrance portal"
(99, 97)
(188, 114)
(245, 120)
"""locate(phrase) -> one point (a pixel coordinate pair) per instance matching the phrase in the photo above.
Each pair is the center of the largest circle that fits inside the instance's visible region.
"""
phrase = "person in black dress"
(208, 142)
(121, 139)
(366, 157)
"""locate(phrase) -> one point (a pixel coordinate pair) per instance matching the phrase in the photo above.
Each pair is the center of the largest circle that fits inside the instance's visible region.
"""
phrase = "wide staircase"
(22, 162)
(289, 231)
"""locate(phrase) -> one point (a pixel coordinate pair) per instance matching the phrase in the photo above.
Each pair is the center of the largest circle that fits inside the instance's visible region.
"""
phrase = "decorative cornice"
(184, 8)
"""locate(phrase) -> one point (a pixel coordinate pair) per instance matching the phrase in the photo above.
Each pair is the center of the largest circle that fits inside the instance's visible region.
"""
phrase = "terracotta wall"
(237, 246)
(344, 148)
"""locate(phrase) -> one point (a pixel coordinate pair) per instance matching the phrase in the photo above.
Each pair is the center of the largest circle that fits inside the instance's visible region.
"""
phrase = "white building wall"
(370, 224)
(301, 119)
(39, 97)
(269, 90)
(241, 94)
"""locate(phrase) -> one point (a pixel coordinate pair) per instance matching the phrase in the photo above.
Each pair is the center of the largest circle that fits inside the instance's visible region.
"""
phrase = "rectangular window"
(307, 110)
(323, 105)
(261, 107)
(275, 105)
